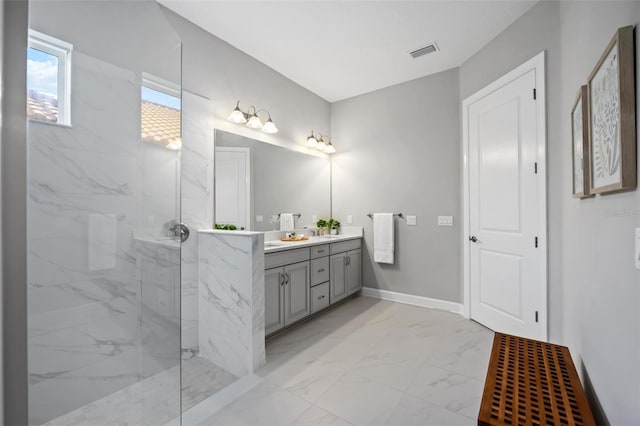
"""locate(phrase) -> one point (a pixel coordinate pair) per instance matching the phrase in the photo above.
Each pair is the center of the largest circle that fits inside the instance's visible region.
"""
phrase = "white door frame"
(247, 173)
(537, 63)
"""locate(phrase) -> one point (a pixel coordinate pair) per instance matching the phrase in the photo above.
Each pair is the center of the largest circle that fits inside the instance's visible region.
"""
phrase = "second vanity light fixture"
(320, 142)
(251, 119)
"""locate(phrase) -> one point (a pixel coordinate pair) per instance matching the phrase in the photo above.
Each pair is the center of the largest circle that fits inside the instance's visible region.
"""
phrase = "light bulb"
(237, 116)
(330, 149)
(270, 126)
(312, 142)
(254, 122)
(321, 145)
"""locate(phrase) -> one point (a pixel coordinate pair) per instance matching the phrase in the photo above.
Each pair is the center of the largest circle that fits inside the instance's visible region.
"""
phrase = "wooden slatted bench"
(532, 383)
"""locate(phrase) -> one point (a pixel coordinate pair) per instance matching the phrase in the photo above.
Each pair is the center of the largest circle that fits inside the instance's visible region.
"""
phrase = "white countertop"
(277, 245)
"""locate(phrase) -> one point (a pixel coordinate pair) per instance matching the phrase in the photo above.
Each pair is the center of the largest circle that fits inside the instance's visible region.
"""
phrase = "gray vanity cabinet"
(273, 300)
(296, 292)
(354, 271)
(287, 297)
(346, 274)
(338, 281)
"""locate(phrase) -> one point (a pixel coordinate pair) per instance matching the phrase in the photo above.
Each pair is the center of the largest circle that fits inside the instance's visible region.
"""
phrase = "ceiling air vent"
(424, 50)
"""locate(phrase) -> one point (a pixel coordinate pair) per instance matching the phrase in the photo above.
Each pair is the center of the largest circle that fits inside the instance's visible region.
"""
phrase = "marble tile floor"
(369, 362)
(155, 400)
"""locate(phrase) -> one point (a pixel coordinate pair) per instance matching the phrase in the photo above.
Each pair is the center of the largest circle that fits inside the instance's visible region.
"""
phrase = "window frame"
(62, 50)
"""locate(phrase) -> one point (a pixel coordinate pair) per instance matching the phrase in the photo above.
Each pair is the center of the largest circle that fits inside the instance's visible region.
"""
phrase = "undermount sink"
(274, 243)
(328, 237)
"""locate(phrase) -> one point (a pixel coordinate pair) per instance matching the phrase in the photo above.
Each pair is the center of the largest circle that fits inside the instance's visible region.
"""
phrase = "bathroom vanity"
(304, 278)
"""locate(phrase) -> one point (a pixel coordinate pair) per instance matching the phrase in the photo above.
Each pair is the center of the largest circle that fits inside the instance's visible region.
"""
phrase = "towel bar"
(395, 214)
(295, 215)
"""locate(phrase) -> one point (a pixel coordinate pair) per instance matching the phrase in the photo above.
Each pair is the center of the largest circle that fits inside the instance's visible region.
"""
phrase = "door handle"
(321, 297)
(348, 260)
(281, 278)
(473, 239)
(286, 278)
(321, 270)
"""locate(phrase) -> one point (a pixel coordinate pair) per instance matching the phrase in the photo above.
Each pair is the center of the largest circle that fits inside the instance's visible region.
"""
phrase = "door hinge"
(536, 240)
(535, 167)
(535, 94)
(536, 316)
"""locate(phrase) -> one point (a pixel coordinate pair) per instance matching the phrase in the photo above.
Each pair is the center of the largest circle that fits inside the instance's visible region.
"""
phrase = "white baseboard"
(409, 299)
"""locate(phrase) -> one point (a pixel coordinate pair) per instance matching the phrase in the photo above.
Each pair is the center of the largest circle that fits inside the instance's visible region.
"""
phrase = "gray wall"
(594, 290)
(216, 70)
(601, 287)
(399, 151)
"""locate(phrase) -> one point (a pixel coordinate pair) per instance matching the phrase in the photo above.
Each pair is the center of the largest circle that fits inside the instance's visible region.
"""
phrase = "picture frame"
(580, 144)
(612, 117)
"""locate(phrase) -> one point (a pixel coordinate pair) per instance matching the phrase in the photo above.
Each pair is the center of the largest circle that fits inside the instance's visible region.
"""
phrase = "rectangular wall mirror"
(256, 181)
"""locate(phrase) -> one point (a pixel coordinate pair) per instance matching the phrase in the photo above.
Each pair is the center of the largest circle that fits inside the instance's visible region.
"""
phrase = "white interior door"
(504, 229)
(233, 180)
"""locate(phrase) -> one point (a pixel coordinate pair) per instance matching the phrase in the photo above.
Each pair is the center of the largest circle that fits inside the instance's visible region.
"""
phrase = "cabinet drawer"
(319, 251)
(345, 246)
(286, 257)
(319, 270)
(319, 297)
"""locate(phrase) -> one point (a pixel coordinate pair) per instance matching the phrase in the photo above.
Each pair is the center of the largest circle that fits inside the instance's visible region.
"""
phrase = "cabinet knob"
(321, 297)
(321, 251)
(321, 270)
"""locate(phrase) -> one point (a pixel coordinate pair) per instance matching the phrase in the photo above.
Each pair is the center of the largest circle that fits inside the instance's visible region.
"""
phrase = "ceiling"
(340, 49)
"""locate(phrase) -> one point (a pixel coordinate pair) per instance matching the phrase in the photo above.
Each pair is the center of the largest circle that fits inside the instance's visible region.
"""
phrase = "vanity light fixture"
(320, 142)
(251, 119)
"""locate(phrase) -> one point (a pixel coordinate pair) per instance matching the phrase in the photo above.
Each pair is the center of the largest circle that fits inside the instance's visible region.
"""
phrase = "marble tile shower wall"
(84, 290)
(197, 205)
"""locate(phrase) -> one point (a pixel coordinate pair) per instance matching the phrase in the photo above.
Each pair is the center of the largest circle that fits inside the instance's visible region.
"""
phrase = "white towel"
(383, 244)
(286, 222)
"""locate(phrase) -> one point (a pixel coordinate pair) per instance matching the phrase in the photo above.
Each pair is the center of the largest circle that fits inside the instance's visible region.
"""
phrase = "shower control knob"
(184, 232)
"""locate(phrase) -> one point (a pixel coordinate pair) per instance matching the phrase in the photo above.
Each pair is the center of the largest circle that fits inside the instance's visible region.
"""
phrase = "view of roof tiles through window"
(159, 124)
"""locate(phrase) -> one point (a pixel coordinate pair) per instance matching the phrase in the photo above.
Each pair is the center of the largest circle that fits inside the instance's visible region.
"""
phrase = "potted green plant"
(334, 225)
(322, 225)
(225, 227)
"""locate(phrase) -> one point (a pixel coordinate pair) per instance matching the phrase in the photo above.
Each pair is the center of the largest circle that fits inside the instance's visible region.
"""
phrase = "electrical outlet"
(259, 219)
(349, 219)
(412, 220)
(445, 220)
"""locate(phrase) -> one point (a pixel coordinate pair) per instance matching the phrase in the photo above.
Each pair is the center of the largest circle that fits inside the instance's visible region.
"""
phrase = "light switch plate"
(445, 220)
(259, 219)
(637, 248)
(412, 220)
(350, 219)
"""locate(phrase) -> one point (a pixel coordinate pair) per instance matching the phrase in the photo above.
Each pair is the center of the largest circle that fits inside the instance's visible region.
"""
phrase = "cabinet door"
(273, 300)
(297, 298)
(354, 271)
(338, 280)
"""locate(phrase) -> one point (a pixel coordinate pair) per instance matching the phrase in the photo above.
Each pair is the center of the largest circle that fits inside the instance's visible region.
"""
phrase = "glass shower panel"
(103, 215)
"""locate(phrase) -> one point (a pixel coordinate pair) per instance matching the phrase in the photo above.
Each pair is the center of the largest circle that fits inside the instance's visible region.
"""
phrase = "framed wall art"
(612, 117)
(580, 144)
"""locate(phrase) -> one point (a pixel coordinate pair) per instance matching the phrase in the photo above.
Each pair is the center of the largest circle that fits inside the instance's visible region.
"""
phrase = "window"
(48, 79)
(160, 112)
